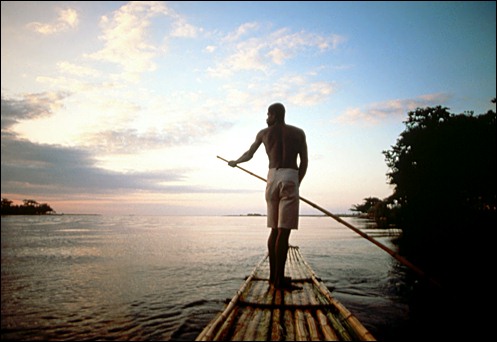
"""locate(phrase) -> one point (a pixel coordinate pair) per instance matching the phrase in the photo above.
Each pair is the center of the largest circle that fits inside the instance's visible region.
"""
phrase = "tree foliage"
(443, 169)
(29, 207)
(444, 163)
(367, 206)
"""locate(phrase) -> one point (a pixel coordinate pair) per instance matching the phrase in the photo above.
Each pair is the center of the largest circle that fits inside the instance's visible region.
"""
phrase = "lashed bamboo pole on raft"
(209, 333)
(397, 256)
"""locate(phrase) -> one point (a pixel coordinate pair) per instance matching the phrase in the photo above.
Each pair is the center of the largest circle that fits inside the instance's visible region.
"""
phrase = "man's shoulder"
(295, 128)
(263, 131)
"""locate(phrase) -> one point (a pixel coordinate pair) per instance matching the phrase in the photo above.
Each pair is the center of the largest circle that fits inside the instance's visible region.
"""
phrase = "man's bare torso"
(283, 144)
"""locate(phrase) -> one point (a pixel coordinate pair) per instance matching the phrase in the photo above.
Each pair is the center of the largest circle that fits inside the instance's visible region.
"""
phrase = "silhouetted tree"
(6, 203)
(383, 212)
(367, 206)
(29, 207)
(443, 168)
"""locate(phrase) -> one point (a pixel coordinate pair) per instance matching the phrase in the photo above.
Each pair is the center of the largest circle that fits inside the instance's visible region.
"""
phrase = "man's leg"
(271, 247)
(281, 254)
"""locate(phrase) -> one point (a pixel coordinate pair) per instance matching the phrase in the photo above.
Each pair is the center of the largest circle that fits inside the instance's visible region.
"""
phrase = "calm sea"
(164, 278)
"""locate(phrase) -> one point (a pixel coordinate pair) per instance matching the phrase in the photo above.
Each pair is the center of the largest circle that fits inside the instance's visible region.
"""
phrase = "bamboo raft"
(307, 311)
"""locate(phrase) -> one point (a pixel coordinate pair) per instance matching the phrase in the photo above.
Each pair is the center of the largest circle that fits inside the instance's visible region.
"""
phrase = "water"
(164, 278)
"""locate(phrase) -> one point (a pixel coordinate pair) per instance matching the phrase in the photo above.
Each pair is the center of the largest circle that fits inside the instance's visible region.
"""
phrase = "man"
(283, 143)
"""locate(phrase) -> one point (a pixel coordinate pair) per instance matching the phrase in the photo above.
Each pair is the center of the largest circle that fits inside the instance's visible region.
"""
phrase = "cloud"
(77, 78)
(210, 48)
(298, 90)
(126, 36)
(380, 111)
(31, 106)
(67, 19)
(240, 31)
(41, 169)
(301, 91)
(180, 28)
(131, 140)
(260, 52)
(78, 70)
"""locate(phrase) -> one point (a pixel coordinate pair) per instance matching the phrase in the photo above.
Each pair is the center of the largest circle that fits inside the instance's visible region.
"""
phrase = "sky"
(121, 108)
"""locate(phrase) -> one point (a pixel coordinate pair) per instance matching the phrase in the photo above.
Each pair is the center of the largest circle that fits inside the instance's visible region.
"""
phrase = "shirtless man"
(283, 143)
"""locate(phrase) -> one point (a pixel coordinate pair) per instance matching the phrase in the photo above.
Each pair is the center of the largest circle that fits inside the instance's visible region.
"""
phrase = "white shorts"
(282, 198)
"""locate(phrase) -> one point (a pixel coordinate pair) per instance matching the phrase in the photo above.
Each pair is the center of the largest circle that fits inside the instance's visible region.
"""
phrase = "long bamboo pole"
(394, 254)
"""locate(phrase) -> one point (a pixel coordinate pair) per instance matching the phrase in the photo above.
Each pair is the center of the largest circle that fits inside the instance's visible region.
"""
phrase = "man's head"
(277, 111)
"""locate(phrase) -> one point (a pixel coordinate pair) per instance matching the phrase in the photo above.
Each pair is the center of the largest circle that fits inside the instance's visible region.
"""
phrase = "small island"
(29, 207)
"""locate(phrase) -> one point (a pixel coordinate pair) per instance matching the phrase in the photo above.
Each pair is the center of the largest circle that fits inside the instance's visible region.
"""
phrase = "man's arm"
(304, 161)
(250, 153)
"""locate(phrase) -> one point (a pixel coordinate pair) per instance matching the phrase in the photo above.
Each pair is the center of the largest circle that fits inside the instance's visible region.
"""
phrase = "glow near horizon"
(122, 107)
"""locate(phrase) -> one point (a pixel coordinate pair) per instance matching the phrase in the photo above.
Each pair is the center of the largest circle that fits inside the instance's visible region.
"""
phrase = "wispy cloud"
(297, 90)
(181, 28)
(126, 36)
(259, 50)
(67, 19)
(78, 70)
(131, 140)
(302, 91)
(398, 108)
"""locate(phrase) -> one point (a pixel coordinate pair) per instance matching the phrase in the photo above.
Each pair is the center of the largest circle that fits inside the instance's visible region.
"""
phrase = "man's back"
(283, 144)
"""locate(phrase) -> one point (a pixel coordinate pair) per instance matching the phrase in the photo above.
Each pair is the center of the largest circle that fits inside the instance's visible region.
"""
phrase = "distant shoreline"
(304, 215)
(54, 214)
(218, 215)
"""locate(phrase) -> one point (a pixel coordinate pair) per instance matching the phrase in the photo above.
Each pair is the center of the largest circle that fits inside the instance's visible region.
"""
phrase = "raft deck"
(304, 312)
